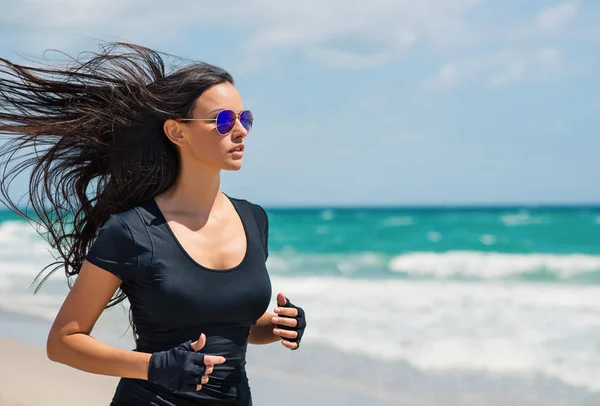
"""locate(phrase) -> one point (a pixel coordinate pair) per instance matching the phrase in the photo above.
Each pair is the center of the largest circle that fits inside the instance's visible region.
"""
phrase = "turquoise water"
(530, 243)
(389, 231)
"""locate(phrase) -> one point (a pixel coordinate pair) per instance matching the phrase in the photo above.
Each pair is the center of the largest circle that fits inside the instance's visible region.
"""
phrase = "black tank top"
(173, 299)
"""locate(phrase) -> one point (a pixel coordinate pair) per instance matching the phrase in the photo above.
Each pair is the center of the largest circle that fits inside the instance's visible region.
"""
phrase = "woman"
(125, 160)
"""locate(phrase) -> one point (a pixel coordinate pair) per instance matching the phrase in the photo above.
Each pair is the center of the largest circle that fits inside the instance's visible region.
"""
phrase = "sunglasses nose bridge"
(238, 124)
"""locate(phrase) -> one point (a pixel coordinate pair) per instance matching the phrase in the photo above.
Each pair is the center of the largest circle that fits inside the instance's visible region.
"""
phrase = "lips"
(238, 148)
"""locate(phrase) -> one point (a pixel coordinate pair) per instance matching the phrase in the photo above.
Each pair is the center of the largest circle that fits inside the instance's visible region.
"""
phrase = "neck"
(197, 189)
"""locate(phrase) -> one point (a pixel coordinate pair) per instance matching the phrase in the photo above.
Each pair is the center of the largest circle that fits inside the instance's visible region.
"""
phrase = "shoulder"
(261, 219)
(137, 216)
(136, 220)
(122, 245)
(240, 200)
(259, 213)
(117, 223)
(128, 227)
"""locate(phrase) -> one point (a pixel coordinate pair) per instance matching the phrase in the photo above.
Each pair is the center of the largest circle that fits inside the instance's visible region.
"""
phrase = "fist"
(290, 322)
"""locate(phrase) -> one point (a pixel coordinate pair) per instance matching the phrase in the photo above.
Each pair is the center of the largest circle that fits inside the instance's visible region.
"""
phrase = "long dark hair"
(91, 134)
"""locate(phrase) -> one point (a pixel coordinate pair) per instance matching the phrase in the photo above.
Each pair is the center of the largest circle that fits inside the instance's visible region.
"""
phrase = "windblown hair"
(90, 135)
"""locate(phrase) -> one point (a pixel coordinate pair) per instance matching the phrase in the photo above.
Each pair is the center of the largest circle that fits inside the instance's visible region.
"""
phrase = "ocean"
(500, 291)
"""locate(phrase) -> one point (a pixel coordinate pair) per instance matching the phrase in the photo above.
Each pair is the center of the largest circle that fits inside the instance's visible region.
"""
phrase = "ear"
(174, 132)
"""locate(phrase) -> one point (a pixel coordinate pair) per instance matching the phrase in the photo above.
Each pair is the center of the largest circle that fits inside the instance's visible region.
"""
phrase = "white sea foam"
(492, 265)
(502, 328)
(23, 253)
(488, 239)
(520, 219)
(440, 265)
(328, 214)
(398, 221)
(434, 236)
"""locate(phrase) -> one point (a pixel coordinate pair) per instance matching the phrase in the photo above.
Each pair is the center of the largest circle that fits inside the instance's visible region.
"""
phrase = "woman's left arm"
(262, 331)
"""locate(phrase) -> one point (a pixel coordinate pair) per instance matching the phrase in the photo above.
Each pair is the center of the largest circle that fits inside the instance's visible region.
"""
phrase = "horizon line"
(351, 206)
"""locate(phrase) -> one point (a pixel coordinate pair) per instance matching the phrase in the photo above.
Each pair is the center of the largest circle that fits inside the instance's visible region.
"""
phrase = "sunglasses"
(225, 120)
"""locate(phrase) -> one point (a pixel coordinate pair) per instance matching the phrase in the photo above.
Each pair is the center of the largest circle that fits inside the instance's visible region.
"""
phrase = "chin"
(233, 166)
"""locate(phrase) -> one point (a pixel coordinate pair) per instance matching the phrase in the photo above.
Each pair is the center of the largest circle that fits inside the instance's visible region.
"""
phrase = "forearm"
(262, 331)
(88, 354)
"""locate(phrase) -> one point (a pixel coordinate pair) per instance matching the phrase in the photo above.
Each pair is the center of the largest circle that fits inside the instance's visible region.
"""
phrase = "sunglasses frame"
(237, 118)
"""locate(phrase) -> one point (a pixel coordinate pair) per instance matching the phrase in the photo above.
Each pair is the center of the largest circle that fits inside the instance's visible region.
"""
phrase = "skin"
(202, 219)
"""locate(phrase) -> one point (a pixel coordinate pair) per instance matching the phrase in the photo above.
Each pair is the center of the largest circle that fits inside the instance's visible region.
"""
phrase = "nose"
(238, 131)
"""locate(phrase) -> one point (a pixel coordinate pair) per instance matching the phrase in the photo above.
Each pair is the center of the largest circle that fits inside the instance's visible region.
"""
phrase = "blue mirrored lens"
(225, 121)
(246, 118)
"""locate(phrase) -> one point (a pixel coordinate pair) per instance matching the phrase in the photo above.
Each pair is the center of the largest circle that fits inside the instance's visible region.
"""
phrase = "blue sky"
(379, 102)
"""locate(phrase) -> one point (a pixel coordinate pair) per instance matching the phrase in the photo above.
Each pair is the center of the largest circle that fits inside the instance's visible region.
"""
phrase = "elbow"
(50, 350)
(52, 347)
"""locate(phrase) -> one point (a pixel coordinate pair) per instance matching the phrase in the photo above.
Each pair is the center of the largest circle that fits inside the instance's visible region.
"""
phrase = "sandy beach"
(28, 378)
(317, 375)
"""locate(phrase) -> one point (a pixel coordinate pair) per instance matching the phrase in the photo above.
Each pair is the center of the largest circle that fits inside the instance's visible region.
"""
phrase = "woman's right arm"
(69, 341)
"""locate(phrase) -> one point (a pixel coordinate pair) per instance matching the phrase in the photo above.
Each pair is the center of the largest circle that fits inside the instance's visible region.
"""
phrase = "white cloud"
(528, 52)
(340, 34)
(324, 30)
(558, 15)
(500, 68)
(380, 24)
(543, 64)
(449, 75)
(333, 58)
(37, 25)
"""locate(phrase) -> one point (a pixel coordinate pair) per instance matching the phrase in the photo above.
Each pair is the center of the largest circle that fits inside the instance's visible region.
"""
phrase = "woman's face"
(200, 141)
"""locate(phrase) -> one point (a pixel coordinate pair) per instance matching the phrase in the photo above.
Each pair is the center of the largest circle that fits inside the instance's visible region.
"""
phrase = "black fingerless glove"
(300, 323)
(179, 369)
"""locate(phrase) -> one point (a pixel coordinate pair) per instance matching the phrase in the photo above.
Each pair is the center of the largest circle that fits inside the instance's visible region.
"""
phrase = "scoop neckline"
(190, 258)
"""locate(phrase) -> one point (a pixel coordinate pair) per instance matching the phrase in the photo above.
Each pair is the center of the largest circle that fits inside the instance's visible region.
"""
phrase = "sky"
(380, 102)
